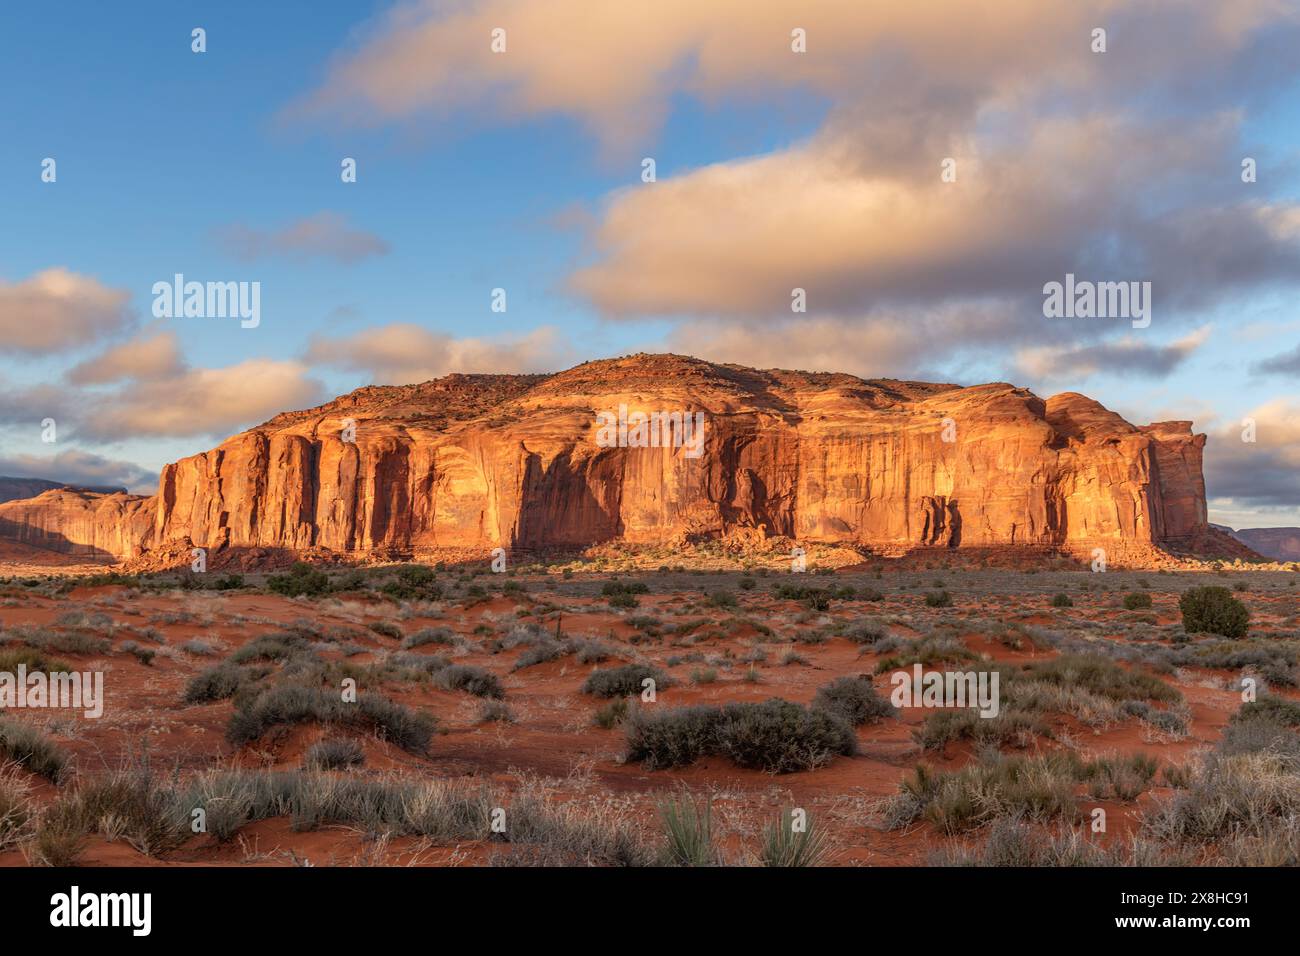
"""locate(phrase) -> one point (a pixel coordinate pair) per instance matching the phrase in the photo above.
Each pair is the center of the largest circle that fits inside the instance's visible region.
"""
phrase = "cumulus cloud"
(192, 402)
(403, 353)
(58, 310)
(326, 235)
(431, 56)
(153, 355)
(1261, 473)
(735, 238)
(202, 401)
(82, 469)
(1061, 167)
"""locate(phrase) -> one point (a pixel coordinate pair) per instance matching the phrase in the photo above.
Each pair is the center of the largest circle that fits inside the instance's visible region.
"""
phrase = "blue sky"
(525, 180)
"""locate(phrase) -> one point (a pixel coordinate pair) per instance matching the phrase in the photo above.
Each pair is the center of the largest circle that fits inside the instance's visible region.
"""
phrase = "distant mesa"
(475, 462)
(14, 488)
(1280, 544)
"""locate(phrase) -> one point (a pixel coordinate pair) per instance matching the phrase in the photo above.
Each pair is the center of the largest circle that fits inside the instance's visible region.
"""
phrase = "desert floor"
(719, 637)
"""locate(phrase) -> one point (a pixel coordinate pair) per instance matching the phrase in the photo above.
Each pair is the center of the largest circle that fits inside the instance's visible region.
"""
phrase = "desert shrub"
(218, 682)
(403, 666)
(416, 575)
(1101, 676)
(60, 838)
(199, 648)
(335, 753)
(747, 584)
(611, 714)
(1121, 778)
(1166, 721)
(688, 833)
(32, 749)
(495, 711)
(704, 675)
(1015, 727)
(623, 601)
(818, 599)
(623, 681)
(592, 652)
(292, 704)
(1243, 795)
(775, 736)
(1062, 600)
(671, 737)
(386, 629)
(866, 632)
(1012, 841)
(928, 651)
(1213, 610)
(68, 642)
(938, 599)
(471, 679)
(272, 647)
(853, 699)
(722, 599)
(541, 652)
(302, 579)
(1277, 710)
(1036, 788)
(429, 635)
(144, 655)
(32, 659)
(17, 813)
(784, 846)
(1137, 601)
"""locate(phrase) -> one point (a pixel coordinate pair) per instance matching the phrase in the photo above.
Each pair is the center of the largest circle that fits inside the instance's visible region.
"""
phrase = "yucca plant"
(784, 845)
(688, 829)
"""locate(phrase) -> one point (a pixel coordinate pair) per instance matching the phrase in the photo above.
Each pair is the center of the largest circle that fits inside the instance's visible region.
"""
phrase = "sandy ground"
(554, 738)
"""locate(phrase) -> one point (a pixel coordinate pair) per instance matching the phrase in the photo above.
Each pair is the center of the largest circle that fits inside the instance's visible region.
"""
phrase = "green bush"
(301, 579)
(1062, 600)
(938, 599)
(1213, 610)
(1137, 601)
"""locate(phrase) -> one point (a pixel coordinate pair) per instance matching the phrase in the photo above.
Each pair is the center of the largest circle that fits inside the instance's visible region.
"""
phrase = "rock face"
(79, 522)
(528, 462)
(1280, 544)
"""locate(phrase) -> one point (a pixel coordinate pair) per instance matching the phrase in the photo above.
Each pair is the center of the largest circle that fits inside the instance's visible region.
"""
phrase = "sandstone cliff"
(481, 461)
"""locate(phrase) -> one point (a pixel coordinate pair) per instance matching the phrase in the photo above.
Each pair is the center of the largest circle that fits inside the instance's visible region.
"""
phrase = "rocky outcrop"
(562, 461)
